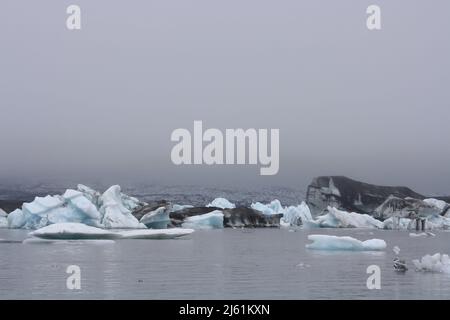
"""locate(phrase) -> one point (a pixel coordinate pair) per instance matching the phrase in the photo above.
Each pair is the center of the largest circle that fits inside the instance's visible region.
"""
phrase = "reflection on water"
(218, 264)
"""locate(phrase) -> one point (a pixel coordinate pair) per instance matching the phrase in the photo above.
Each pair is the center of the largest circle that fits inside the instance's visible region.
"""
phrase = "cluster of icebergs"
(335, 218)
(113, 209)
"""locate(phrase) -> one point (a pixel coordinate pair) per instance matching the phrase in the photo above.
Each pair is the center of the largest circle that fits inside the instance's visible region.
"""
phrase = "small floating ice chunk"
(421, 235)
(71, 230)
(327, 242)
(211, 220)
(433, 263)
(221, 203)
(155, 233)
(396, 250)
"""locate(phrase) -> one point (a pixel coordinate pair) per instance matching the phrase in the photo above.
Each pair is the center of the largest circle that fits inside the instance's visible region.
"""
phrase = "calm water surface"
(219, 264)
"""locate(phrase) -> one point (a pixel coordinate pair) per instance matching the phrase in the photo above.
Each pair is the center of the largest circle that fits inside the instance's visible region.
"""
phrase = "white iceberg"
(295, 216)
(437, 222)
(342, 219)
(70, 230)
(157, 219)
(155, 233)
(115, 212)
(292, 215)
(326, 242)
(438, 204)
(273, 207)
(422, 235)
(433, 263)
(211, 220)
(397, 223)
(112, 209)
(221, 203)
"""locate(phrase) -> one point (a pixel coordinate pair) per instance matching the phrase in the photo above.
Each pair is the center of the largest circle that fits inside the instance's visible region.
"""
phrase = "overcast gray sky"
(102, 102)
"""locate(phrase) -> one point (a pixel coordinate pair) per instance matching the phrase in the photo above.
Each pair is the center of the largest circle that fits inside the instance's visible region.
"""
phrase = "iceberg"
(70, 231)
(211, 220)
(438, 204)
(273, 207)
(84, 205)
(115, 213)
(342, 219)
(295, 216)
(155, 234)
(292, 215)
(438, 222)
(221, 203)
(326, 242)
(397, 223)
(157, 219)
(433, 263)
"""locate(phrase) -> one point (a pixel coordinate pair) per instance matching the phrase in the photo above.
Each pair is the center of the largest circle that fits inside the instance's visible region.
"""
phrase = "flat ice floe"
(326, 242)
(79, 231)
(72, 230)
(433, 263)
(155, 233)
(422, 235)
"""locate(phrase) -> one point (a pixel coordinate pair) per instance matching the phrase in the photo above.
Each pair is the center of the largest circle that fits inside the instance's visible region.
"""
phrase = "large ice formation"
(326, 242)
(221, 203)
(336, 218)
(211, 220)
(112, 209)
(433, 263)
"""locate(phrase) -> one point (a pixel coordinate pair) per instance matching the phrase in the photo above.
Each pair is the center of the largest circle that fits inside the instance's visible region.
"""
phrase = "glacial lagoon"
(219, 264)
